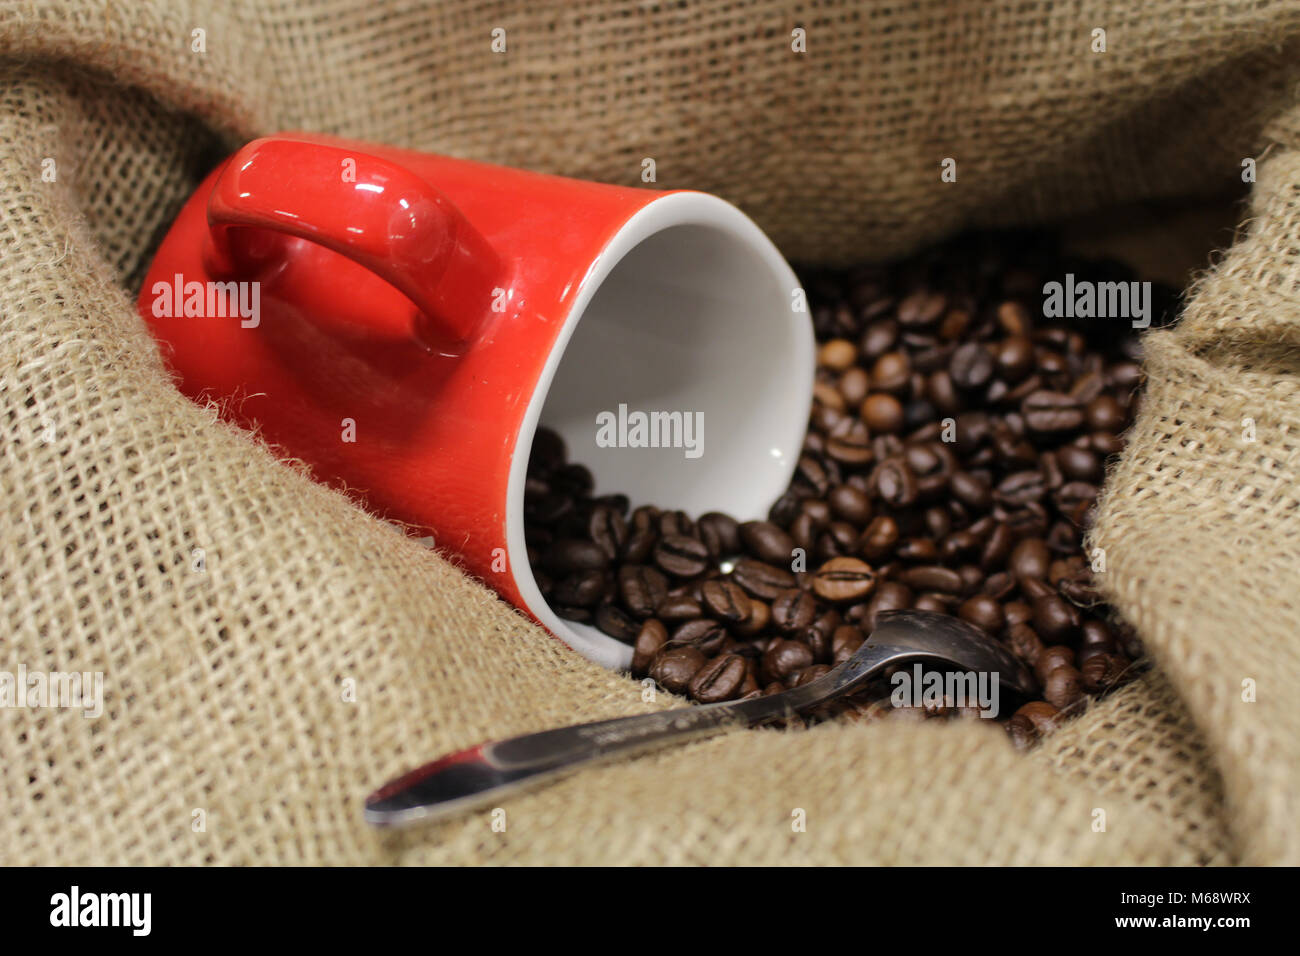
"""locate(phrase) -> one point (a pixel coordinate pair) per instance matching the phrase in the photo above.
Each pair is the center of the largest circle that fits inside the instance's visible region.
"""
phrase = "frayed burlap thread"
(231, 732)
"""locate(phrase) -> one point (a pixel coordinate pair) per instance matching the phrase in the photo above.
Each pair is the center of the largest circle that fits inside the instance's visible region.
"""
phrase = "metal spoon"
(483, 774)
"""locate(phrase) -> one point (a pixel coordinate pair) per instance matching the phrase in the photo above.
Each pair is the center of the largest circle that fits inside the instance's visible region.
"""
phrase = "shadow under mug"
(402, 322)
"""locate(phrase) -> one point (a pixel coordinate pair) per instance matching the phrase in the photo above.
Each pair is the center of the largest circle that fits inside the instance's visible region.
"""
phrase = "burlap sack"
(227, 736)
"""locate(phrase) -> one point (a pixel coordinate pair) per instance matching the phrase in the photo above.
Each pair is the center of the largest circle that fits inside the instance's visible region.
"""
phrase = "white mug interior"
(690, 312)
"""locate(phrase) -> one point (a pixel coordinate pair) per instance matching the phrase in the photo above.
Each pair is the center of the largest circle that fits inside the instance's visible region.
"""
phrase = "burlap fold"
(255, 693)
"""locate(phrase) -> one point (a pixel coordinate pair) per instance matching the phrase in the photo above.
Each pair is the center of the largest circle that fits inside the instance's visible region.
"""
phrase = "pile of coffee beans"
(956, 446)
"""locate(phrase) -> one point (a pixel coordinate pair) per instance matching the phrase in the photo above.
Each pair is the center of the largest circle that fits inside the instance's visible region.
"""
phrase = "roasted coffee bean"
(982, 611)
(1063, 687)
(650, 640)
(891, 372)
(971, 366)
(879, 539)
(580, 589)
(895, 483)
(673, 667)
(617, 623)
(850, 503)
(1105, 414)
(1055, 619)
(922, 308)
(1049, 412)
(1025, 643)
(783, 658)
(574, 554)
(1030, 558)
(809, 674)
(793, 611)
(681, 556)
(1058, 655)
(709, 636)
(608, 529)
(1102, 671)
(845, 641)
(720, 534)
(761, 580)
(678, 607)
(725, 600)
(720, 679)
(760, 615)
(767, 542)
(1022, 732)
(843, 579)
(1044, 716)
(642, 588)
(879, 338)
(837, 354)
(883, 413)
(932, 577)
(971, 490)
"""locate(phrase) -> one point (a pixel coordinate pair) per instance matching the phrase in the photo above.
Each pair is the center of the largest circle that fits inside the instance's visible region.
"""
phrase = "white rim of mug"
(674, 209)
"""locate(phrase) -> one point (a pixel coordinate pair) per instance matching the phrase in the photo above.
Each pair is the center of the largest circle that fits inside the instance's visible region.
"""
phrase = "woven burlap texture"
(225, 687)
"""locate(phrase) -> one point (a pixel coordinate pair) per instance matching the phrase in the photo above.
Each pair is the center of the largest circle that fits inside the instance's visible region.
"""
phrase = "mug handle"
(385, 218)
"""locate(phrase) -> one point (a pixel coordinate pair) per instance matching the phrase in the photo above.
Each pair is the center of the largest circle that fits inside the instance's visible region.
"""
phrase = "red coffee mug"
(403, 321)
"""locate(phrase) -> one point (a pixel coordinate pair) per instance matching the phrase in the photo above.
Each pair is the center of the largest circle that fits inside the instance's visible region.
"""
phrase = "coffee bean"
(837, 354)
(883, 413)
(1044, 716)
(850, 503)
(843, 579)
(1030, 558)
(1055, 619)
(793, 611)
(933, 578)
(982, 611)
(580, 589)
(1105, 414)
(922, 308)
(761, 580)
(702, 633)
(642, 588)
(895, 483)
(681, 556)
(1102, 671)
(1021, 731)
(678, 607)
(718, 680)
(1058, 655)
(767, 542)
(720, 534)
(1051, 412)
(1063, 687)
(574, 554)
(608, 529)
(971, 366)
(650, 639)
(725, 600)
(673, 668)
(783, 658)
(891, 372)
(617, 623)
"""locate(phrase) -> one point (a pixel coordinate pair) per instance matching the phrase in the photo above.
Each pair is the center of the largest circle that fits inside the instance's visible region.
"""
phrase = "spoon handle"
(476, 776)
